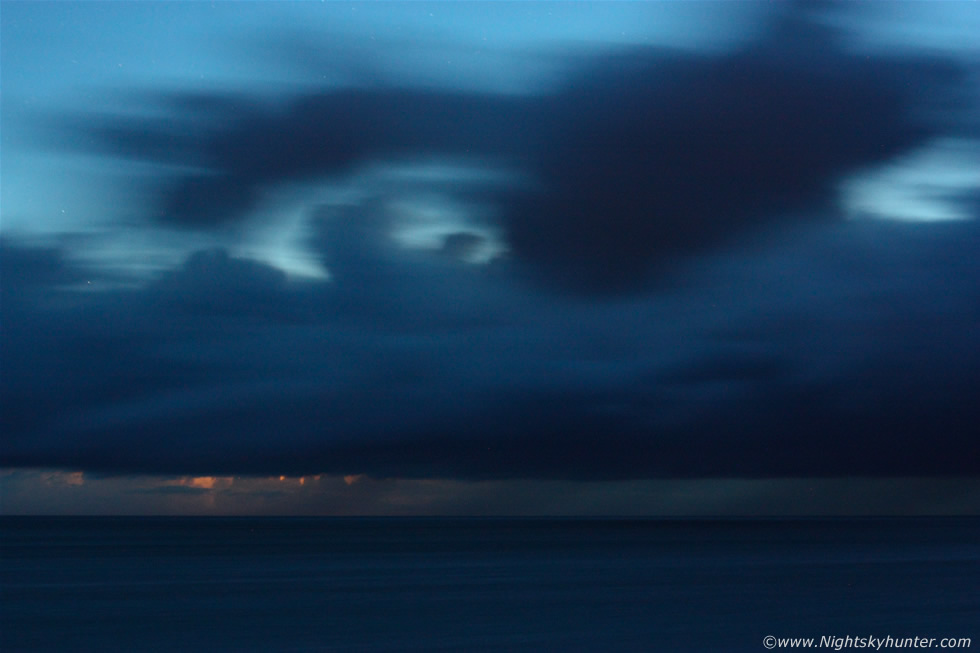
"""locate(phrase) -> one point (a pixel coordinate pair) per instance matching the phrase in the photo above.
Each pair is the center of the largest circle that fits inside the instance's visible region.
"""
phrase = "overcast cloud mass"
(566, 243)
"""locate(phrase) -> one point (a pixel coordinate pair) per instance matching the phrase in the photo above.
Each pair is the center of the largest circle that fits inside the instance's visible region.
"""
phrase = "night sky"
(490, 258)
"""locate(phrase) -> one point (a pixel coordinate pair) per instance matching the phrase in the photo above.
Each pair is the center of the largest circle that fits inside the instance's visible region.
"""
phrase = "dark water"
(161, 584)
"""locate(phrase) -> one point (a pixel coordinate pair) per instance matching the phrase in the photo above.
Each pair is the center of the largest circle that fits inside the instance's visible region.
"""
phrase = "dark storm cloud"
(410, 378)
(239, 147)
(673, 155)
(639, 157)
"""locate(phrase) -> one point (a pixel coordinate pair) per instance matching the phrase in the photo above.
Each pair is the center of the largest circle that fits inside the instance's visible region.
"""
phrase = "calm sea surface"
(242, 584)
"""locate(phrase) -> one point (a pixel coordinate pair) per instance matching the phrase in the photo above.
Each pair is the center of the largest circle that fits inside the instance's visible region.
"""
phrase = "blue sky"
(603, 258)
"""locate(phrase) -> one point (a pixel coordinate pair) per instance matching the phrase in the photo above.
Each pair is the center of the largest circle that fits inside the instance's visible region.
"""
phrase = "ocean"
(405, 584)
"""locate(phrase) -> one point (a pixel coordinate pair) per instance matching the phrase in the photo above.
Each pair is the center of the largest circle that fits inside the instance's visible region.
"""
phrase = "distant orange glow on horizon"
(204, 482)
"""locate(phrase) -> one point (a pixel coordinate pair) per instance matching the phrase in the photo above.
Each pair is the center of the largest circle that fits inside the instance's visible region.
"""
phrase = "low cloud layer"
(861, 362)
